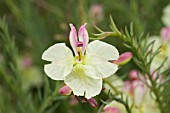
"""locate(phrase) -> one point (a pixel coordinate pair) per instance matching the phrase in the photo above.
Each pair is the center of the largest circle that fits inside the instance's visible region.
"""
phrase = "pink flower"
(111, 110)
(165, 33)
(135, 87)
(65, 90)
(124, 58)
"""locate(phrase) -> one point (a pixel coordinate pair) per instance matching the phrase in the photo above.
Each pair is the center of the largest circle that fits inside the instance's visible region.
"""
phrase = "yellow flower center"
(80, 58)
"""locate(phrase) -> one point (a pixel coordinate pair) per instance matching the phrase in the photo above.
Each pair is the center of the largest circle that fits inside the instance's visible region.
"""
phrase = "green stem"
(113, 88)
(124, 103)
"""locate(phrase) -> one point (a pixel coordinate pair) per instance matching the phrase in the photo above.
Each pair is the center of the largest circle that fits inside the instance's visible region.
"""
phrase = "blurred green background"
(37, 24)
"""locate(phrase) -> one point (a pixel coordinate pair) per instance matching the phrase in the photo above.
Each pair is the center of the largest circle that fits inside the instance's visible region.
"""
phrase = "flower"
(164, 41)
(166, 15)
(137, 93)
(114, 107)
(165, 34)
(111, 110)
(84, 71)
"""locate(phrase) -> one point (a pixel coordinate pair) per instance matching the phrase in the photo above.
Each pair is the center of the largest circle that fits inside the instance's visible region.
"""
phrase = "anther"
(79, 44)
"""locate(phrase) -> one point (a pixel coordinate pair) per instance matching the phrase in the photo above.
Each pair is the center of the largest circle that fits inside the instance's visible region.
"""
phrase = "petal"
(73, 38)
(165, 34)
(57, 53)
(83, 37)
(100, 68)
(62, 61)
(112, 110)
(158, 42)
(57, 71)
(166, 15)
(117, 105)
(103, 50)
(96, 61)
(81, 84)
(139, 92)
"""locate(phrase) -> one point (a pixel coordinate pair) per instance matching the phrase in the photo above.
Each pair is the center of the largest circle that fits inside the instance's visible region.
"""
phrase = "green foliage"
(37, 24)
(143, 55)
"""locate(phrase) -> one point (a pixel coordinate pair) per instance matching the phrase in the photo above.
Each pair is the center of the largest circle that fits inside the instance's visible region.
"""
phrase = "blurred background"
(37, 24)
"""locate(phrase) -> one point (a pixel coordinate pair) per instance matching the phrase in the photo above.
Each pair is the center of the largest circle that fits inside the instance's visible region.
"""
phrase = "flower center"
(80, 57)
(164, 49)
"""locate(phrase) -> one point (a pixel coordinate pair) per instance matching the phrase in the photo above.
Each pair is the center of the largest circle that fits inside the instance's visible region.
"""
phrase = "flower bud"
(165, 33)
(112, 110)
(92, 102)
(133, 75)
(65, 90)
(124, 58)
(26, 62)
(96, 13)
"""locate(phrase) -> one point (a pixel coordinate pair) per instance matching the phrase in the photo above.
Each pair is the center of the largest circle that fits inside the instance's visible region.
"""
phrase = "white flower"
(166, 15)
(164, 41)
(83, 72)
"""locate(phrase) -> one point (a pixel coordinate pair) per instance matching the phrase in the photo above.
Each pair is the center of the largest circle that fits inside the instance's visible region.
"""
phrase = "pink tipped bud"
(96, 13)
(124, 58)
(133, 75)
(112, 110)
(27, 62)
(165, 33)
(92, 102)
(65, 90)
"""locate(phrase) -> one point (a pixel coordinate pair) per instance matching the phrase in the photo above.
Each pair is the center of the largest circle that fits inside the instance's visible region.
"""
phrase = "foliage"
(37, 24)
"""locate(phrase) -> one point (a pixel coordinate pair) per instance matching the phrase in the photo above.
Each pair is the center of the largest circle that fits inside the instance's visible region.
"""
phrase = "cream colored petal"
(57, 71)
(166, 15)
(81, 84)
(158, 42)
(62, 61)
(102, 50)
(97, 58)
(98, 68)
(57, 52)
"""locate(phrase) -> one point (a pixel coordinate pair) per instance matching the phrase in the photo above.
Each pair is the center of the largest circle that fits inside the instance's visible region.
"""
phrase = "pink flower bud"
(112, 110)
(133, 75)
(165, 33)
(65, 90)
(27, 62)
(124, 58)
(92, 102)
(96, 13)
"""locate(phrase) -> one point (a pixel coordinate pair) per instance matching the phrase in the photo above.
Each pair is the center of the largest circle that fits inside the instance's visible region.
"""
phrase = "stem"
(147, 71)
(145, 68)
(113, 88)
(124, 103)
(47, 101)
